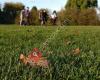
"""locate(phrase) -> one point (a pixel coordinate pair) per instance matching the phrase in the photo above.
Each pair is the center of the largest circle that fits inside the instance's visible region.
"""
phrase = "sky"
(50, 4)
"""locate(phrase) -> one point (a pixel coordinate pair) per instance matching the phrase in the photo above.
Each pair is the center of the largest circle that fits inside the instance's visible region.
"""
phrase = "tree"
(87, 17)
(0, 14)
(10, 11)
(73, 16)
(69, 16)
(0, 8)
(80, 4)
(80, 12)
(33, 16)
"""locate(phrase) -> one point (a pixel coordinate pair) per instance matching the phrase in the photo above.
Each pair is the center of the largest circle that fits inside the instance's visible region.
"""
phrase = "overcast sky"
(50, 4)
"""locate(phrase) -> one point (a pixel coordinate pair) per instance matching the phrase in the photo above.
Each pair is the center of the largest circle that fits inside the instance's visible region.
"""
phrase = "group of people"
(43, 17)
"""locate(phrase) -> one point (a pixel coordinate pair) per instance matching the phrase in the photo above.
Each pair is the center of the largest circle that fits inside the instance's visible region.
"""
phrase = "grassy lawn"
(65, 63)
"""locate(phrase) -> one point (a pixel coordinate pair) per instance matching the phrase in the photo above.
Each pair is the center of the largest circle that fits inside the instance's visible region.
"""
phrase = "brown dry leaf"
(77, 51)
(27, 61)
(23, 59)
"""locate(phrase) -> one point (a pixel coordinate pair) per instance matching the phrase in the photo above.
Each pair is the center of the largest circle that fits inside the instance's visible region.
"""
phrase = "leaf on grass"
(34, 59)
(76, 51)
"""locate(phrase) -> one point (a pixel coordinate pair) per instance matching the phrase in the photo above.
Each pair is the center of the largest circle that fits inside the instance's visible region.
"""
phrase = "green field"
(59, 43)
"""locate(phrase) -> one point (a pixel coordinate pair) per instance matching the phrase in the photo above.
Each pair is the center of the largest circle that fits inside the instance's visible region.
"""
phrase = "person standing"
(24, 16)
(54, 18)
(21, 16)
(43, 17)
(27, 12)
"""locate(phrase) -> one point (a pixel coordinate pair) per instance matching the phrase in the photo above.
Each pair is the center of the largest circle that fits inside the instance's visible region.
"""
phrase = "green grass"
(63, 63)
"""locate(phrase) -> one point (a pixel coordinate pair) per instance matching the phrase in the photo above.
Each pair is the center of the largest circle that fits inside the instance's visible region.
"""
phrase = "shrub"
(73, 16)
(87, 17)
